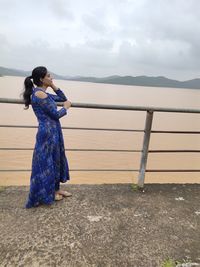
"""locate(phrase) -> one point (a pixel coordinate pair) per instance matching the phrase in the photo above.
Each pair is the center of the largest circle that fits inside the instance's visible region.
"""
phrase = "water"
(81, 92)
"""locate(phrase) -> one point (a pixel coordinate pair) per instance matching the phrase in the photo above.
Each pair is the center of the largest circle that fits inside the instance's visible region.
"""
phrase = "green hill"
(159, 81)
(142, 81)
(21, 73)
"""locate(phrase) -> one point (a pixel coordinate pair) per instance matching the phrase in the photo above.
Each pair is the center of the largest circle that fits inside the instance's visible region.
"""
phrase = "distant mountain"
(159, 81)
(22, 73)
(13, 72)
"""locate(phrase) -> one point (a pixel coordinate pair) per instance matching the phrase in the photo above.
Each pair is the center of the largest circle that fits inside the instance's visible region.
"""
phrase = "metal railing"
(146, 139)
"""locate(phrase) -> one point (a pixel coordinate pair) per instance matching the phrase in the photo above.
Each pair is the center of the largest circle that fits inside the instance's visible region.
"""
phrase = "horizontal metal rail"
(110, 170)
(172, 170)
(175, 151)
(109, 150)
(78, 170)
(176, 132)
(77, 149)
(112, 107)
(74, 128)
(103, 129)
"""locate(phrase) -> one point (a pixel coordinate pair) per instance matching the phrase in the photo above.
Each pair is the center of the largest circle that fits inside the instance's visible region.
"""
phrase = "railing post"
(143, 161)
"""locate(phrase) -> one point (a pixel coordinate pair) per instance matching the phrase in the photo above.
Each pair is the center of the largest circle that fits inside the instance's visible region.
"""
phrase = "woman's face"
(47, 80)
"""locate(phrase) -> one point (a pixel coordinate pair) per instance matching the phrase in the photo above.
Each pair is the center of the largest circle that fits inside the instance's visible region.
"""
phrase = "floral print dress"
(49, 162)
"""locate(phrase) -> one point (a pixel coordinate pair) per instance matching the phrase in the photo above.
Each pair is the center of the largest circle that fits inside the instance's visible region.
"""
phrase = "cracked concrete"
(102, 225)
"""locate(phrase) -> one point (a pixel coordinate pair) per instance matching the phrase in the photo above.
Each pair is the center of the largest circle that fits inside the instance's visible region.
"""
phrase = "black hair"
(37, 74)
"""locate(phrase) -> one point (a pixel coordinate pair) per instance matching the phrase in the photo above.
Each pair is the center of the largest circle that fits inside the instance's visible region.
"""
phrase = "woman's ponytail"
(37, 74)
(28, 89)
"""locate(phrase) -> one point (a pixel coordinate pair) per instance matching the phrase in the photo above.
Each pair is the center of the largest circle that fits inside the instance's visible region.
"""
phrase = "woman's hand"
(52, 85)
(67, 104)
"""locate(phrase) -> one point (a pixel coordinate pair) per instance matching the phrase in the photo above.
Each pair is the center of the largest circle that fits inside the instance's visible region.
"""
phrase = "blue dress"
(49, 162)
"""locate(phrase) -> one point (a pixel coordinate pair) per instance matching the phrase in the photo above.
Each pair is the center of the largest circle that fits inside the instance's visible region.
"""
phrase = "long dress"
(49, 162)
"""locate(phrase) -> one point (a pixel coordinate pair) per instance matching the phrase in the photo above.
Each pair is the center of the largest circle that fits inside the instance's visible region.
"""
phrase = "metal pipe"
(113, 107)
(74, 128)
(175, 151)
(154, 170)
(177, 132)
(143, 162)
(107, 170)
(77, 149)
(79, 170)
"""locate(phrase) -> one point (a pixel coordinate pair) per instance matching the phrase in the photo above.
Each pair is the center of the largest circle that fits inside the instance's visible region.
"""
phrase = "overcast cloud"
(101, 37)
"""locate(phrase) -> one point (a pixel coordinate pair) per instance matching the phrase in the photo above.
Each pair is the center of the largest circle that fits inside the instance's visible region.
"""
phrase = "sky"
(102, 37)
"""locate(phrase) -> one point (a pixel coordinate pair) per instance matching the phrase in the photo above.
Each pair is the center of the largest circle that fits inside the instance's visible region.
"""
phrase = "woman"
(49, 163)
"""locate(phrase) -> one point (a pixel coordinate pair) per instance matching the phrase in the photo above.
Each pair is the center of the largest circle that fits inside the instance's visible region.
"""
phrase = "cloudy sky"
(102, 37)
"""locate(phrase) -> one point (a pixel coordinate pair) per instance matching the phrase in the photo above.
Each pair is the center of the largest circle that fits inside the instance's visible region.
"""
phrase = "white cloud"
(61, 9)
(102, 38)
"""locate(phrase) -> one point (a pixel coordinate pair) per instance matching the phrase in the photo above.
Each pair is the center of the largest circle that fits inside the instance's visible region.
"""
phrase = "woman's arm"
(48, 106)
(60, 97)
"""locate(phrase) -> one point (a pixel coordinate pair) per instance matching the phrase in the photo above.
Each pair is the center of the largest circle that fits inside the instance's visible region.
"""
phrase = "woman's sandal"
(65, 193)
(58, 197)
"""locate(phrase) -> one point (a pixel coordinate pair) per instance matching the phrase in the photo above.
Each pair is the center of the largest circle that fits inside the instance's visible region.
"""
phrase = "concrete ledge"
(102, 225)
